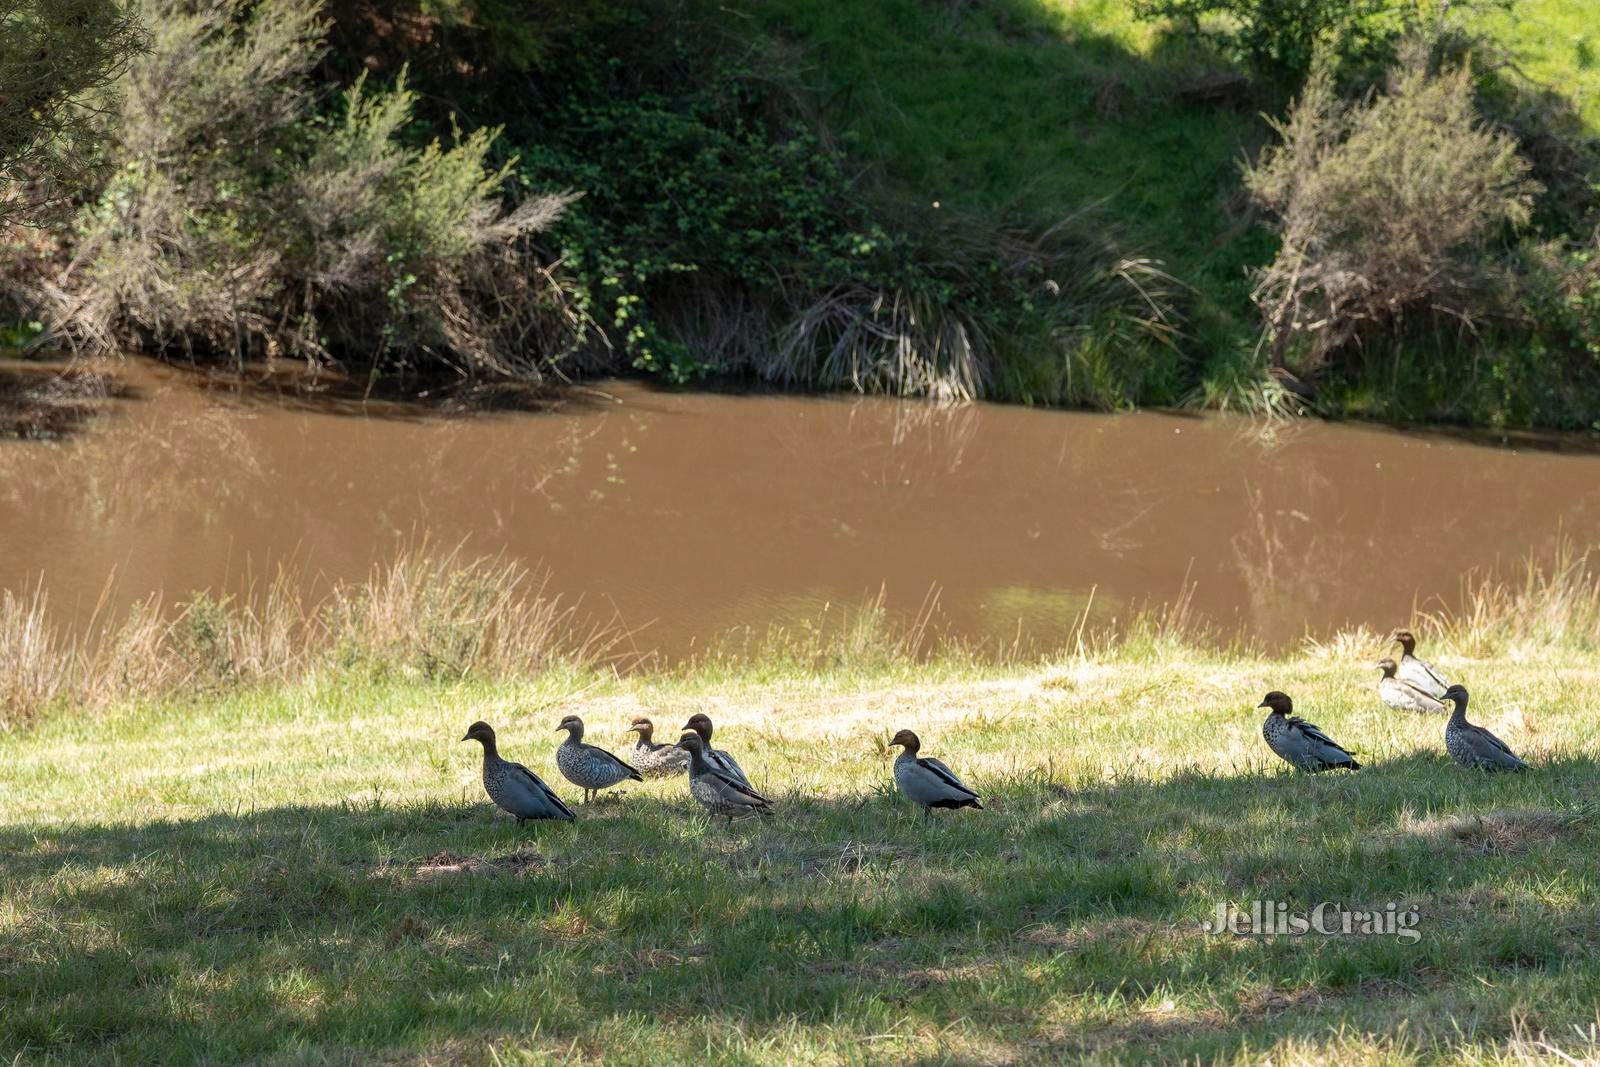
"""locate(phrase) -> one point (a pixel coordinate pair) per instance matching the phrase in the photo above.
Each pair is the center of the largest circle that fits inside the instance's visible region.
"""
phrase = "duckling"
(1414, 671)
(716, 790)
(512, 786)
(1402, 696)
(1473, 746)
(926, 780)
(587, 766)
(655, 759)
(700, 723)
(1299, 743)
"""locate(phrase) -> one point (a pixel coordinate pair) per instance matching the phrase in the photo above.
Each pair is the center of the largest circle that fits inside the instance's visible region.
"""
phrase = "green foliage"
(245, 218)
(720, 232)
(1280, 39)
(53, 54)
(690, 189)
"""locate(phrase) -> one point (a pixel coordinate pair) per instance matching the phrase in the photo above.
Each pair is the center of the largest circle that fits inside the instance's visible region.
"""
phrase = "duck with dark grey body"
(1414, 671)
(1473, 746)
(587, 766)
(512, 786)
(700, 723)
(652, 758)
(716, 790)
(926, 780)
(1299, 743)
(1402, 695)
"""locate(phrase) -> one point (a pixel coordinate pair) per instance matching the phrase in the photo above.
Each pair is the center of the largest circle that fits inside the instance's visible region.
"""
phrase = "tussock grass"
(423, 614)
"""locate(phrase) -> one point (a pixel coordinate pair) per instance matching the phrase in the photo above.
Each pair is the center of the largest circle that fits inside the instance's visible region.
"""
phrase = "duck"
(1401, 695)
(716, 790)
(928, 781)
(1414, 671)
(586, 766)
(700, 723)
(1299, 743)
(1473, 746)
(655, 759)
(513, 787)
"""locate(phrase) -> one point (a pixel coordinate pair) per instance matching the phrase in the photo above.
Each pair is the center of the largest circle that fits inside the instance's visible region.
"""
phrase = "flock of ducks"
(719, 784)
(716, 780)
(1409, 685)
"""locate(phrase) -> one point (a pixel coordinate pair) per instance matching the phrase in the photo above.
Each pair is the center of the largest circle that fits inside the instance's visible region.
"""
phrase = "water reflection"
(698, 513)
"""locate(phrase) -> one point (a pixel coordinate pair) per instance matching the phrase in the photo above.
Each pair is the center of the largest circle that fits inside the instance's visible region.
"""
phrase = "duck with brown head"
(1300, 743)
(589, 767)
(655, 759)
(716, 790)
(512, 786)
(700, 723)
(1414, 671)
(1402, 695)
(926, 780)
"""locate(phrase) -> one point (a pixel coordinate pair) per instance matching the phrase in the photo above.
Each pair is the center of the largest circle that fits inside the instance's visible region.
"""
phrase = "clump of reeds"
(422, 614)
(1553, 603)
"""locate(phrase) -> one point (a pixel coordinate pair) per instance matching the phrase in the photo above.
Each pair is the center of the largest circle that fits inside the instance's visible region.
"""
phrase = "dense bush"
(248, 216)
(52, 54)
(1279, 40)
(1385, 207)
(722, 232)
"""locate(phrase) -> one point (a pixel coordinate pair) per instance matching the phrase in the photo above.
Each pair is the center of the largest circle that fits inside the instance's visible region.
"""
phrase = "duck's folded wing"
(1418, 700)
(1494, 744)
(1317, 738)
(728, 765)
(540, 793)
(945, 775)
(1415, 672)
(736, 790)
(596, 750)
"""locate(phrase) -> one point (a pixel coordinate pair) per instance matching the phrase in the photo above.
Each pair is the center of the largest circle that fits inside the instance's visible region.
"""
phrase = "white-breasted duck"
(512, 786)
(700, 723)
(1473, 746)
(1414, 671)
(1299, 743)
(587, 766)
(926, 780)
(1402, 695)
(716, 790)
(652, 758)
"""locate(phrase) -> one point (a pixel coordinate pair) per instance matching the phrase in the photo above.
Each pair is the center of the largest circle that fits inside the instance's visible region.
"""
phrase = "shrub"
(1385, 208)
(247, 218)
(54, 53)
(1281, 39)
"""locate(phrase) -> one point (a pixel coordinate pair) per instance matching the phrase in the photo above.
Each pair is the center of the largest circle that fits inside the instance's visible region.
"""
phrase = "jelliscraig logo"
(1274, 918)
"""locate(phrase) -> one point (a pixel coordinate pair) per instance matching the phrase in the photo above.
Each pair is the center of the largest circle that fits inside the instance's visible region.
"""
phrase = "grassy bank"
(303, 868)
(310, 874)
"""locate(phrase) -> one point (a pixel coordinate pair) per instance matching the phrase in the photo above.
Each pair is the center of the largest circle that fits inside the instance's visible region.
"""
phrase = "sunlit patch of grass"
(309, 870)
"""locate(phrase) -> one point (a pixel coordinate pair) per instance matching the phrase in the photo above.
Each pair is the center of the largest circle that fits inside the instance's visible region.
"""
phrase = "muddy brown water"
(688, 515)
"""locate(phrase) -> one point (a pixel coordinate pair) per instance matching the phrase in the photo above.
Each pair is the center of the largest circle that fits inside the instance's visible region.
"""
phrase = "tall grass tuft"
(423, 614)
(1556, 601)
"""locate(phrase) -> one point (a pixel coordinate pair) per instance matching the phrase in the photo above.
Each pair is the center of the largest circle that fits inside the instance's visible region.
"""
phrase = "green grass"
(270, 874)
(1040, 109)
(1556, 43)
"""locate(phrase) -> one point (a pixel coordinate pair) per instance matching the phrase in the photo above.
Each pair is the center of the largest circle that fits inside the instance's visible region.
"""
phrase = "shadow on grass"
(1051, 920)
